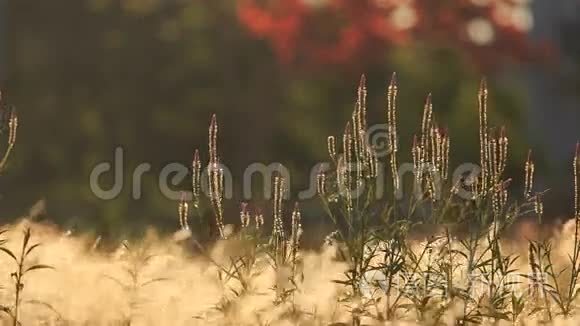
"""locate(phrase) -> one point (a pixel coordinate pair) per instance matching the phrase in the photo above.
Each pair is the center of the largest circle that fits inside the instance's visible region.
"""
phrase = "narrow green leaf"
(32, 248)
(38, 266)
(9, 253)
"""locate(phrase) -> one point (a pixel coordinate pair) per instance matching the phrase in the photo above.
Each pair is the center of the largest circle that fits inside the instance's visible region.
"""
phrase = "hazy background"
(90, 75)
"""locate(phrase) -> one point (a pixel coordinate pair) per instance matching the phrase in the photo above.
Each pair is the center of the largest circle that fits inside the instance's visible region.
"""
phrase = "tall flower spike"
(483, 134)
(418, 164)
(9, 116)
(445, 144)
(244, 215)
(216, 177)
(295, 235)
(196, 175)
(259, 219)
(373, 163)
(433, 131)
(494, 158)
(358, 119)
(359, 158)
(183, 211)
(354, 132)
(577, 182)
(503, 147)
(392, 128)
(213, 132)
(431, 161)
(321, 182)
(347, 165)
(539, 207)
(426, 159)
(331, 144)
(498, 149)
(216, 189)
(529, 176)
(362, 128)
(576, 169)
(279, 187)
(362, 95)
(504, 198)
(438, 139)
(494, 178)
(12, 127)
(426, 125)
(278, 236)
(416, 152)
(358, 142)
(436, 161)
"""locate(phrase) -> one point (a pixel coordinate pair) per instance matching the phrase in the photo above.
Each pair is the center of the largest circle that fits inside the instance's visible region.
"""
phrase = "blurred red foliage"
(341, 31)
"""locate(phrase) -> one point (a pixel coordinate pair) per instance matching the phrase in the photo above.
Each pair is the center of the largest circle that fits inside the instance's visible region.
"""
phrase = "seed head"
(321, 183)
(244, 215)
(196, 175)
(183, 211)
(331, 145)
(529, 176)
(577, 181)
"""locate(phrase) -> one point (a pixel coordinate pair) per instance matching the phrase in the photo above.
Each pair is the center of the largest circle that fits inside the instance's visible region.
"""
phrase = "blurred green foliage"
(88, 76)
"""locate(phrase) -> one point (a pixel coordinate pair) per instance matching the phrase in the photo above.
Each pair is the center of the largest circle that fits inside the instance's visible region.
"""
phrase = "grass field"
(437, 255)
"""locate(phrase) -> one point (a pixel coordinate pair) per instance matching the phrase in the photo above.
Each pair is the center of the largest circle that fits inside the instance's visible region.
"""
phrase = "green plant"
(9, 125)
(373, 234)
(562, 285)
(22, 269)
(135, 260)
(409, 256)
